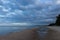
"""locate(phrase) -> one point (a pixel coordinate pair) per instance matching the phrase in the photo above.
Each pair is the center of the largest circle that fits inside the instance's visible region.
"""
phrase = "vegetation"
(57, 23)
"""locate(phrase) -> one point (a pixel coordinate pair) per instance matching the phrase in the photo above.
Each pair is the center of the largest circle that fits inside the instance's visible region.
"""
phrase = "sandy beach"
(32, 34)
(23, 35)
(53, 33)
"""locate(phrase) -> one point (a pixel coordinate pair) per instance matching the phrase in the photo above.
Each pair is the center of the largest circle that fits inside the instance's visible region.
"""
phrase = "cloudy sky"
(29, 11)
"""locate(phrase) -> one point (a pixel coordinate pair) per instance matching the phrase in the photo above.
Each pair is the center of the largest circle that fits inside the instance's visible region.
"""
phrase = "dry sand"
(53, 34)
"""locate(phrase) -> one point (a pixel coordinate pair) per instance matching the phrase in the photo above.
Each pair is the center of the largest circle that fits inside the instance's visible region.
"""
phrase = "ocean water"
(4, 30)
(7, 29)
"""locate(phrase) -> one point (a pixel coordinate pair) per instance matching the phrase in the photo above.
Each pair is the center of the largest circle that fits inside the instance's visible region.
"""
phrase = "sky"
(26, 12)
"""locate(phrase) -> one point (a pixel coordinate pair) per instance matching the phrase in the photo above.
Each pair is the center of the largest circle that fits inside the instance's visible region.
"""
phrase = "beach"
(23, 35)
(32, 34)
(53, 33)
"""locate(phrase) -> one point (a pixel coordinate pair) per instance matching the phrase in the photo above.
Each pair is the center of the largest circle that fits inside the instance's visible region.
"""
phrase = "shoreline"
(30, 34)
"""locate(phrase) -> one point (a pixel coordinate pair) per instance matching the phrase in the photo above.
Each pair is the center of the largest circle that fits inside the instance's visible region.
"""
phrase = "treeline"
(57, 23)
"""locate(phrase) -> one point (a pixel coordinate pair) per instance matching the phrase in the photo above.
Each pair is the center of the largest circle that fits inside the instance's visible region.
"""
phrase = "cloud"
(44, 2)
(14, 13)
(5, 1)
(33, 11)
(14, 24)
(6, 10)
(58, 2)
(11, 14)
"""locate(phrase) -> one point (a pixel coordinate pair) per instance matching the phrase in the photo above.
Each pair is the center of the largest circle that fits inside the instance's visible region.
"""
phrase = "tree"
(52, 24)
(57, 23)
(58, 20)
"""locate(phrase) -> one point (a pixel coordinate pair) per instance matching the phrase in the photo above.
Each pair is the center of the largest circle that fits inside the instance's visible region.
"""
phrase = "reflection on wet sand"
(33, 34)
(23, 35)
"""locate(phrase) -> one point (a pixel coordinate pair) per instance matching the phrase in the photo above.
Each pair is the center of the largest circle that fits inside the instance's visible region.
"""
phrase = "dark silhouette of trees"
(57, 23)
(58, 20)
(51, 24)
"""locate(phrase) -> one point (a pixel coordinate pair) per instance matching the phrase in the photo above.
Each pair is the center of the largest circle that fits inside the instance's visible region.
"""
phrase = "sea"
(4, 30)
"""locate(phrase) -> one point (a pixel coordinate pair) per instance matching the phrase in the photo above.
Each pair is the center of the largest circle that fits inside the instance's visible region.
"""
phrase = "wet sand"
(23, 35)
(31, 34)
